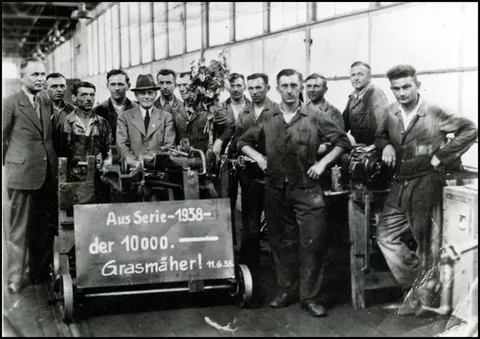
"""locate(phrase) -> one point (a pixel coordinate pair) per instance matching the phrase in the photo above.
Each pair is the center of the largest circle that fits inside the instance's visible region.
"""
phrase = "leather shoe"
(283, 300)
(314, 309)
(14, 288)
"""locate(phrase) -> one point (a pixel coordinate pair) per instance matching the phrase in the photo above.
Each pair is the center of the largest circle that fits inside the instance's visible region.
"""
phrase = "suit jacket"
(27, 147)
(107, 111)
(132, 139)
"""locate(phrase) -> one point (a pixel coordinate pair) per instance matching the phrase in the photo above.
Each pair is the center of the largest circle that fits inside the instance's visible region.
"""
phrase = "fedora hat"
(145, 82)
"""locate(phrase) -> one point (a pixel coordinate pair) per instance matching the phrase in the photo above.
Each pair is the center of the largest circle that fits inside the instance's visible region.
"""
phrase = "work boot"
(283, 300)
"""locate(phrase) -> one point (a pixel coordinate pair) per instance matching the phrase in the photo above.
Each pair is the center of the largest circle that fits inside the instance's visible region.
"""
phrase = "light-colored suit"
(31, 167)
(132, 139)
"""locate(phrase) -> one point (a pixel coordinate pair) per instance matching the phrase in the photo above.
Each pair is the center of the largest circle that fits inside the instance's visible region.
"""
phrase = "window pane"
(146, 31)
(108, 40)
(134, 33)
(349, 7)
(218, 23)
(160, 29)
(115, 38)
(325, 10)
(124, 37)
(194, 26)
(101, 44)
(89, 51)
(287, 14)
(175, 27)
(248, 19)
(95, 47)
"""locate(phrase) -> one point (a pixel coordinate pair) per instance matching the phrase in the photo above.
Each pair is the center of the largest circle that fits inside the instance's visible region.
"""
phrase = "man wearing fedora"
(144, 129)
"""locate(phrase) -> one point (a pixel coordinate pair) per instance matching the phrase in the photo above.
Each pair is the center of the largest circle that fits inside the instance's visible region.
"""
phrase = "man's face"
(56, 88)
(118, 86)
(316, 89)
(183, 85)
(289, 88)
(405, 90)
(257, 89)
(146, 98)
(237, 87)
(33, 76)
(166, 84)
(84, 98)
(360, 77)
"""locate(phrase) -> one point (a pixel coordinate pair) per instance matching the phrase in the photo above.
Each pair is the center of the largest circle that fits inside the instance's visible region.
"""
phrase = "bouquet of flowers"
(207, 82)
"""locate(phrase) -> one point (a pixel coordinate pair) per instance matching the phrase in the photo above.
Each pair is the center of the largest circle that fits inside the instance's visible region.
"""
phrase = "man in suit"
(144, 129)
(118, 83)
(31, 169)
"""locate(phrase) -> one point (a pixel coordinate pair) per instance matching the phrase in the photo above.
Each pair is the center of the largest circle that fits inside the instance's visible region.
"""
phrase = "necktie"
(147, 121)
(36, 106)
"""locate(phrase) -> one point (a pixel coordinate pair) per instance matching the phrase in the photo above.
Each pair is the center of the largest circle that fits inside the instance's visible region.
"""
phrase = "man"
(167, 101)
(411, 139)
(183, 84)
(364, 111)
(294, 199)
(31, 169)
(316, 89)
(118, 83)
(144, 129)
(237, 101)
(84, 132)
(56, 85)
(251, 176)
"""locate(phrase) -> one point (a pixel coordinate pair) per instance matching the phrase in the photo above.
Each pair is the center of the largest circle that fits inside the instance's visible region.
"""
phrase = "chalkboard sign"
(153, 242)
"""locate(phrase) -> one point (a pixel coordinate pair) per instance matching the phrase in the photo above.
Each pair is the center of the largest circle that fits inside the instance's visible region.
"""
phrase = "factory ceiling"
(33, 27)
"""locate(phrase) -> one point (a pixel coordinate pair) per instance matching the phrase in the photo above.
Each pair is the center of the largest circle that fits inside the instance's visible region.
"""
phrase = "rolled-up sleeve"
(333, 133)
(465, 133)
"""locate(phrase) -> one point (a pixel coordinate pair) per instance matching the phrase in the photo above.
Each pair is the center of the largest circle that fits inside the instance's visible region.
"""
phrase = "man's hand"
(316, 170)
(388, 155)
(435, 162)
(262, 163)
(217, 147)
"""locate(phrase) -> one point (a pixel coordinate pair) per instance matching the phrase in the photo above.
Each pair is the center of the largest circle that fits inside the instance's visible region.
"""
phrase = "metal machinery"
(366, 179)
(166, 245)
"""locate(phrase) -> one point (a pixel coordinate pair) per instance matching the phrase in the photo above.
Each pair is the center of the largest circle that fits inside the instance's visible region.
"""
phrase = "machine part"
(336, 179)
(56, 256)
(243, 294)
(366, 268)
(66, 295)
(364, 165)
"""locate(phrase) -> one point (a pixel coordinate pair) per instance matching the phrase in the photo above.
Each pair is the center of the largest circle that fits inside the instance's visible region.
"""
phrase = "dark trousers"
(297, 232)
(413, 207)
(31, 227)
(253, 203)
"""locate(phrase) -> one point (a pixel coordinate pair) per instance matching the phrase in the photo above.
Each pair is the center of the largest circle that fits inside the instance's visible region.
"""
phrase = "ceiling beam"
(30, 16)
(12, 42)
(57, 4)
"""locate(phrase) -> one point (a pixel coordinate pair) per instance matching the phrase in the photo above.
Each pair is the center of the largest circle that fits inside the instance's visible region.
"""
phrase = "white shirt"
(237, 109)
(88, 129)
(30, 97)
(289, 116)
(144, 111)
(407, 119)
(258, 111)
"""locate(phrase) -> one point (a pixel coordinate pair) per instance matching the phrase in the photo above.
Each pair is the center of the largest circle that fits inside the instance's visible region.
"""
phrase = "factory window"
(95, 47)
(115, 38)
(248, 19)
(101, 44)
(176, 20)
(350, 7)
(134, 25)
(160, 29)
(287, 14)
(146, 31)
(194, 26)
(218, 23)
(90, 49)
(108, 40)
(124, 36)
